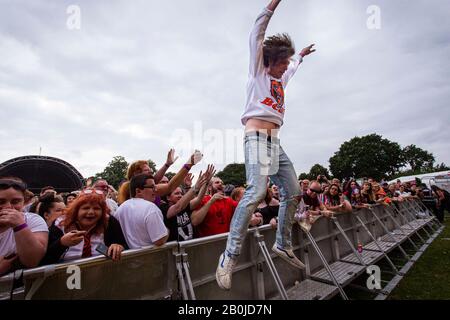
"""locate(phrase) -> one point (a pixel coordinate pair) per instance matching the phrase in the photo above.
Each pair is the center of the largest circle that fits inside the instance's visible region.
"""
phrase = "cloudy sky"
(139, 77)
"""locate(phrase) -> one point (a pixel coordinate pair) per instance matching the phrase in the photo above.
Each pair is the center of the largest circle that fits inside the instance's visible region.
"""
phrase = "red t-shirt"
(218, 218)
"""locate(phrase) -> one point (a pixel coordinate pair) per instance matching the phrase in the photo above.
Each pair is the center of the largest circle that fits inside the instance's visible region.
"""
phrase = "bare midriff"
(267, 127)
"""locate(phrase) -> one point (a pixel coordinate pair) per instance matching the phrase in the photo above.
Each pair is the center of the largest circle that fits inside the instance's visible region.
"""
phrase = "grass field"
(429, 278)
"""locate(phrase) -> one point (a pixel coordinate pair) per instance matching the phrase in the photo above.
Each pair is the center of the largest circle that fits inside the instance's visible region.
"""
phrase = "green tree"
(152, 165)
(368, 156)
(303, 176)
(317, 170)
(441, 167)
(417, 158)
(233, 174)
(114, 172)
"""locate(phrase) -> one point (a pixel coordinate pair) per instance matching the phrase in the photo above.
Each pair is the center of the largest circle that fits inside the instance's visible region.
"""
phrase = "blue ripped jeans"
(265, 158)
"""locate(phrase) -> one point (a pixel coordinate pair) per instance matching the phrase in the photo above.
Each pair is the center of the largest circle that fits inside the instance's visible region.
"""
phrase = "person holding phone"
(85, 226)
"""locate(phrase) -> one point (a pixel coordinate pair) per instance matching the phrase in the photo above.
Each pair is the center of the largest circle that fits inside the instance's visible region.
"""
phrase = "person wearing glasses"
(272, 64)
(85, 225)
(162, 189)
(310, 208)
(141, 220)
(23, 235)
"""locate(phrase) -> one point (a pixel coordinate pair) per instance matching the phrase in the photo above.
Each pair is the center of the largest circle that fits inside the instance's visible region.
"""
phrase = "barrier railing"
(186, 270)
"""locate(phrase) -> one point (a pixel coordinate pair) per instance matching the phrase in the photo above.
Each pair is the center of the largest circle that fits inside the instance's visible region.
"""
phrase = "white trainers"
(289, 256)
(224, 270)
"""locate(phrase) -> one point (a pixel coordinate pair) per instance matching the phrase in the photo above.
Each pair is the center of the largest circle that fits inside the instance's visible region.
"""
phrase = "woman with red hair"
(85, 225)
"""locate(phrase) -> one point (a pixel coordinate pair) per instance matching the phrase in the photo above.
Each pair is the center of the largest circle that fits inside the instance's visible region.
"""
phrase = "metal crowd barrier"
(186, 270)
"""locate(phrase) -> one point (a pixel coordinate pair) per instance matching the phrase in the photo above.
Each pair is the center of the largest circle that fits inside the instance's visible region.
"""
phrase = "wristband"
(187, 167)
(20, 227)
(166, 165)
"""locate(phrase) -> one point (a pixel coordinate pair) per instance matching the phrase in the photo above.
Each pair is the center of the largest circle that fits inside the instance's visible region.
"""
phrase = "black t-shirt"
(313, 203)
(180, 226)
(268, 213)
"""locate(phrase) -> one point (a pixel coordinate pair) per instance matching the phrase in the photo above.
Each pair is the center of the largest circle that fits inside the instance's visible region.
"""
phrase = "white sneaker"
(224, 270)
(289, 256)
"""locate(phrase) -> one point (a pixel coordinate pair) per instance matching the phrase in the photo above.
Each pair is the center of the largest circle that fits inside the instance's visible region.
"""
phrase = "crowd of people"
(150, 209)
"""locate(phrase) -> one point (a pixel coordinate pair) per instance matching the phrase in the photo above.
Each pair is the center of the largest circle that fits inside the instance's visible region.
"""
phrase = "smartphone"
(103, 250)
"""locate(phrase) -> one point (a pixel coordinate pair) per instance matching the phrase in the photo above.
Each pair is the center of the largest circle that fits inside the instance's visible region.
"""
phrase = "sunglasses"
(91, 191)
(6, 184)
(315, 191)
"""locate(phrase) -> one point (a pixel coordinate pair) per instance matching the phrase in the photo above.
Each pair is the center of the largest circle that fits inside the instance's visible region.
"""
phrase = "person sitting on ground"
(142, 167)
(268, 208)
(23, 235)
(51, 207)
(85, 225)
(214, 214)
(141, 220)
(335, 201)
(177, 212)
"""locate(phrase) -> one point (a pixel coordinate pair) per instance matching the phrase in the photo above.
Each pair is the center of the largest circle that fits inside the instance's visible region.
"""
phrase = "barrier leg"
(181, 276)
(350, 244)
(404, 233)
(377, 244)
(390, 234)
(325, 264)
(188, 275)
(271, 265)
(407, 222)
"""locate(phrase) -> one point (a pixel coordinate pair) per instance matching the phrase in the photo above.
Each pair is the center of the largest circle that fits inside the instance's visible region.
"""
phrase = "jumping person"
(270, 70)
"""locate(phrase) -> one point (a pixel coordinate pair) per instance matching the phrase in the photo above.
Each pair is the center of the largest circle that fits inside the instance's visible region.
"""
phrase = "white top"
(112, 205)
(76, 251)
(141, 221)
(7, 240)
(265, 94)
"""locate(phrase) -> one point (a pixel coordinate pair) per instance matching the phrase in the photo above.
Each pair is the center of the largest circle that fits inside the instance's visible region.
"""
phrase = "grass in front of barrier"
(428, 279)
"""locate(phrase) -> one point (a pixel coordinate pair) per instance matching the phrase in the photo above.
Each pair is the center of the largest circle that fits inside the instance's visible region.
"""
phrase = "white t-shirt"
(7, 240)
(265, 94)
(112, 205)
(141, 221)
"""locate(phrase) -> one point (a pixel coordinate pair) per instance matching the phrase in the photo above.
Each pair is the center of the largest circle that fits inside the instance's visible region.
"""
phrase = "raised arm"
(257, 38)
(162, 171)
(273, 5)
(185, 200)
(164, 189)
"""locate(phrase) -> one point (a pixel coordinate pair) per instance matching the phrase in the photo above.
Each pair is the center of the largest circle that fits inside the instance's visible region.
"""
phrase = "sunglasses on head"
(91, 191)
(6, 184)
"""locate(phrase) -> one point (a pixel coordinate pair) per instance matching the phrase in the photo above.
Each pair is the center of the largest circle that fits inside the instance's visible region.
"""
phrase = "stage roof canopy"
(41, 171)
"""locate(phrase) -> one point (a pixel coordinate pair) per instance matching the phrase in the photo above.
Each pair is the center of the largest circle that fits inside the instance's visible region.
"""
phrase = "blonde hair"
(133, 170)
